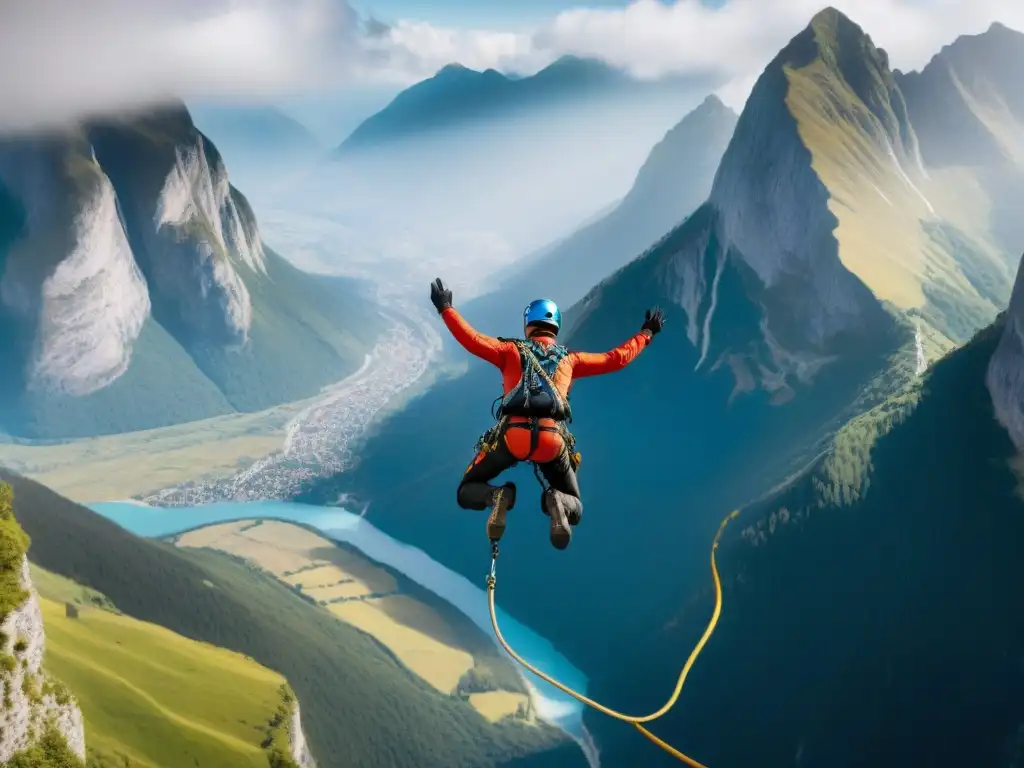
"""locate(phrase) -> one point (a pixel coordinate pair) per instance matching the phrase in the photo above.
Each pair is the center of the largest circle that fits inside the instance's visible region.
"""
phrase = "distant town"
(321, 440)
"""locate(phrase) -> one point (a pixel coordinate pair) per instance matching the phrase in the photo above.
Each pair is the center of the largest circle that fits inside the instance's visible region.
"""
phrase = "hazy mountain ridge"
(459, 95)
(254, 129)
(477, 168)
(970, 112)
(136, 290)
(264, 146)
(673, 181)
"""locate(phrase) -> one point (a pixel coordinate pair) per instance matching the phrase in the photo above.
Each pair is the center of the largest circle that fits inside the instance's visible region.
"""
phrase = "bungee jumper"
(533, 411)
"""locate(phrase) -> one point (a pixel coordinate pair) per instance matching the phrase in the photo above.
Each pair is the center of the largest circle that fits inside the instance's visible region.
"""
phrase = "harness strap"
(530, 358)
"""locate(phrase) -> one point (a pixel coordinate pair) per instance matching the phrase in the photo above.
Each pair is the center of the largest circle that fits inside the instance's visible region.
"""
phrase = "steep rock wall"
(300, 747)
(1005, 376)
(69, 277)
(32, 702)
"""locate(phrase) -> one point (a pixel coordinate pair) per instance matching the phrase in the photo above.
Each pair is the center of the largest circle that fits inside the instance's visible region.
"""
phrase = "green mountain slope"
(139, 294)
(150, 696)
(866, 601)
(359, 706)
(816, 281)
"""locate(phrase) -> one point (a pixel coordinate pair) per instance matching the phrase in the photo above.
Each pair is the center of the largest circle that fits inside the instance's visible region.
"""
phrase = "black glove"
(440, 296)
(654, 321)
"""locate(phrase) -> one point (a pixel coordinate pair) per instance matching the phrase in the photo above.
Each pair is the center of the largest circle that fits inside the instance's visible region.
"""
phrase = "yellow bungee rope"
(636, 721)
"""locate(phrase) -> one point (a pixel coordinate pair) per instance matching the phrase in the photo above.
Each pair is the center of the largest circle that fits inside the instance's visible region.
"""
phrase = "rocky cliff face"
(769, 223)
(32, 702)
(300, 747)
(135, 290)
(1005, 375)
(69, 278)
(773, 205)
(188, 230)
(821, 206)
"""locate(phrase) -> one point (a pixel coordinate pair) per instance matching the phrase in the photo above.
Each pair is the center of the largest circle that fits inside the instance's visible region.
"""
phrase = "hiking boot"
(503, 499)
(561, 532)
(573, 506)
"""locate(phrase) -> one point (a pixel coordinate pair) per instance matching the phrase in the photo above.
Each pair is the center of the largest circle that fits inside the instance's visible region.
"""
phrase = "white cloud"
(62, 59)
(736, 41)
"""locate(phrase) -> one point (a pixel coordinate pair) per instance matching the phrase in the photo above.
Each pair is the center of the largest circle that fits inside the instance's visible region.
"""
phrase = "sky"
(74, 59)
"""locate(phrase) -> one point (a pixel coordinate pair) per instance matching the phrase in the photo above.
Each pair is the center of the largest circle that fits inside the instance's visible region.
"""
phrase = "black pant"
(475, 490)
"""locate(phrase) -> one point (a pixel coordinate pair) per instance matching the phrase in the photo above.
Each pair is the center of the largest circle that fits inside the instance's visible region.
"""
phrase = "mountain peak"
(576, 68)
(825, 111)
(835, 31)
(454, 72)
(829, 17)
(712, 104)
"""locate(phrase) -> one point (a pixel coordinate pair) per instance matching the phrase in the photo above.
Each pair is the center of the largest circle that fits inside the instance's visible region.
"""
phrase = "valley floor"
(239, 456)
(429, 640)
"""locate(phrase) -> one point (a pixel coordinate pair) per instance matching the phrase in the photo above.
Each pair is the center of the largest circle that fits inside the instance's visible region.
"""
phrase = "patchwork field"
(429, 637)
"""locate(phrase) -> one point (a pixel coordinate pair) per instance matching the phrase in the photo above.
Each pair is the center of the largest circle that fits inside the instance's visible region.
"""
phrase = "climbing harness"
(636, 721)
(560, 408)
(536, 395)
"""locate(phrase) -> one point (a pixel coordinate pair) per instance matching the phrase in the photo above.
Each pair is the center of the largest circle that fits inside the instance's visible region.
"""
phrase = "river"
(551, 704)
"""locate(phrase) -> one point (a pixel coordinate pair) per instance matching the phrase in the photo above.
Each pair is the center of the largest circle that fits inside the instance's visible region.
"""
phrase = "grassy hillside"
(152, 698)
(360, 707)
(13, 546)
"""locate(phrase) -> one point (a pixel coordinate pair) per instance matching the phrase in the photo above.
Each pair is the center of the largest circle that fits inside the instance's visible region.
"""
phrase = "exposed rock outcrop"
(189, 233)
(1005, 376)
(32, 701)
(300, 747)
(69, 278)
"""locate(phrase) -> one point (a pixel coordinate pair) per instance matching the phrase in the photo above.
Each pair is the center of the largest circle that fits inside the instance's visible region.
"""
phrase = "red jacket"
(505, 356)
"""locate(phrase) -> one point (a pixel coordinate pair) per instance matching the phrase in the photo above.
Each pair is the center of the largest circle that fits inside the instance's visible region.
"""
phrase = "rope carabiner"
(635, 721)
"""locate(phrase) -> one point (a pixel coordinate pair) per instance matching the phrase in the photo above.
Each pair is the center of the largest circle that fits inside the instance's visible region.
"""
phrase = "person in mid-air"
(537, 373)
